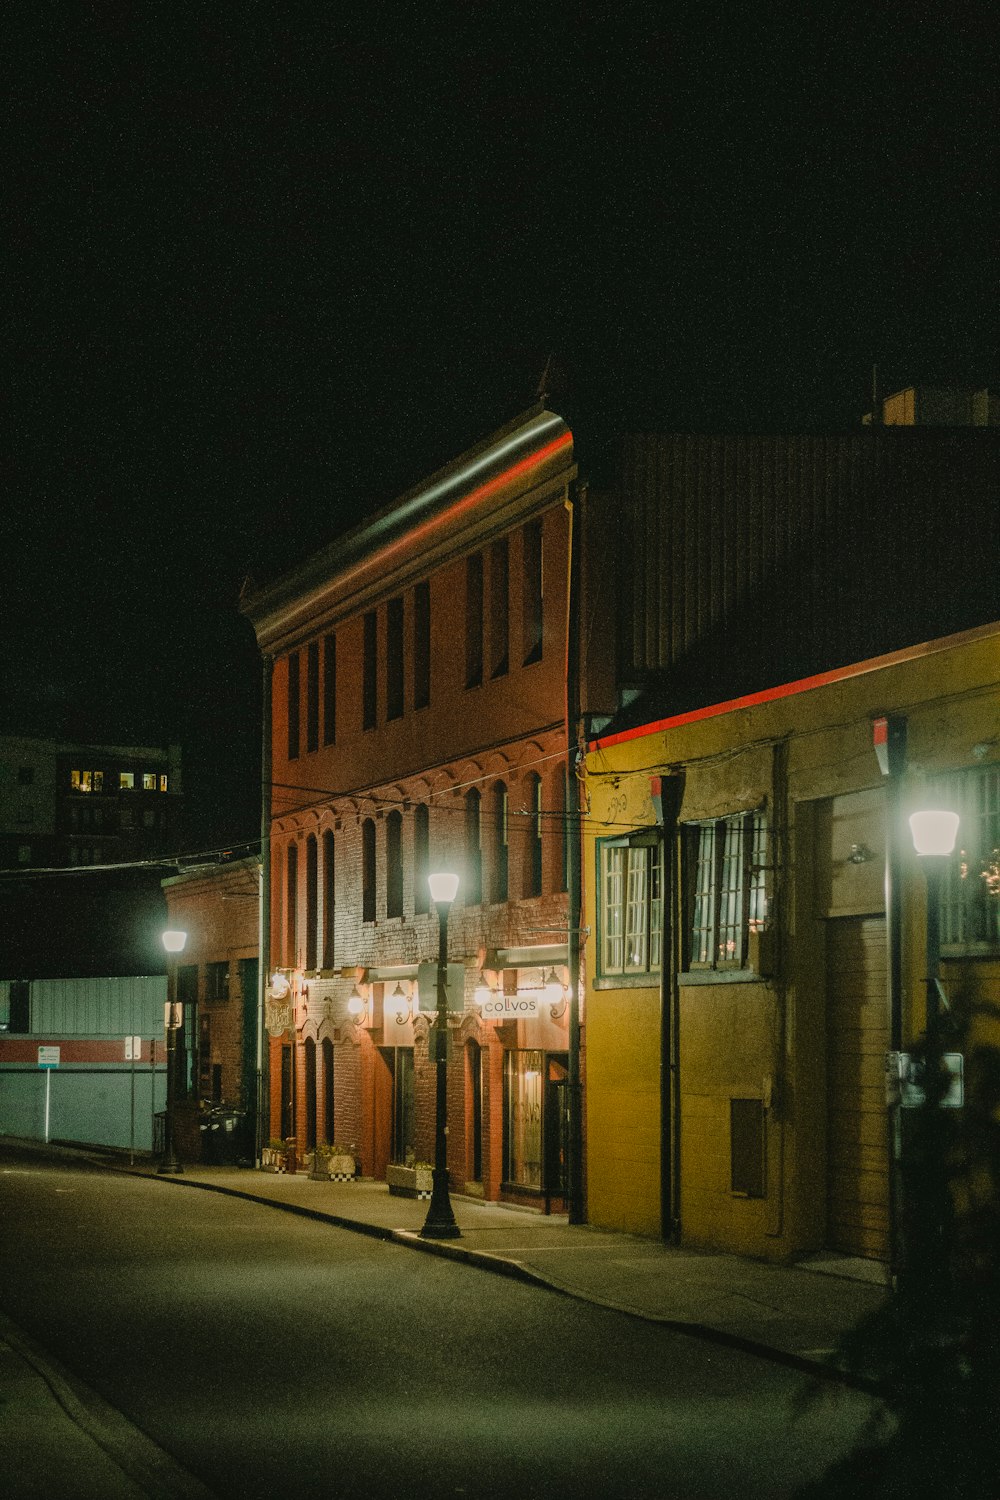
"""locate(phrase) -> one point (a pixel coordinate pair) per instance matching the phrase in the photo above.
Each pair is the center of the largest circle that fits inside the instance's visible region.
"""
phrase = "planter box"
(410, 1182)
(341, 1168)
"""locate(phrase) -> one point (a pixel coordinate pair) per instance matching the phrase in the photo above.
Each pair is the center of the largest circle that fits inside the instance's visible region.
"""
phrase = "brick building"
(215, 979)
(417, 697)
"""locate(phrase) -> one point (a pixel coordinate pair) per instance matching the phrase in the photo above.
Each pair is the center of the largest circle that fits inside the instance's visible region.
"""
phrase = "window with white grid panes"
(631, 910)
(970, 889)
(728, 896)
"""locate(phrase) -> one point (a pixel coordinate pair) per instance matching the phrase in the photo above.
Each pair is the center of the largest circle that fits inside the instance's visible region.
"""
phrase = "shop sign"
(499, 1007)
(278, 1014)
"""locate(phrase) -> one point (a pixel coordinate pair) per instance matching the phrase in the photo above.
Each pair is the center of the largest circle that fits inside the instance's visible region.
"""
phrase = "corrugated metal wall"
(746, 561)
(130, 1006)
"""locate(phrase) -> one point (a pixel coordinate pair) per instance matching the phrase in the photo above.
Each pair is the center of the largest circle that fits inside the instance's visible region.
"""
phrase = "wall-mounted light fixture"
(398, 1005)
(357, 1005)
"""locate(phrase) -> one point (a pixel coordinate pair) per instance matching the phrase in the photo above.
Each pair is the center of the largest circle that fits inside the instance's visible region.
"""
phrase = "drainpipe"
(666, 794)
(577, 1214)
(895, 763)
(263, 1098)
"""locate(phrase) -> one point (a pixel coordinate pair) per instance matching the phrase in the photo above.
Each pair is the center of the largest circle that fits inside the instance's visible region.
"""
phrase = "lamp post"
(440, 1222)
(934, 833)
(173, 942)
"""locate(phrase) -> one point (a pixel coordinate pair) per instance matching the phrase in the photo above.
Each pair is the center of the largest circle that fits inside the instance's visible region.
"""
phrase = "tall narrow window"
(394, 659)
(533, 842)
(329, 899)
(501, 848)
(312, 696)
(421, 857)
(421, 645)
(394, 864)
(499, 608)
(291, 904)
(312, 901)
(728, 889)
(564, 831)
(474, 620)
(293, 705)
(532, 591)
(473, 849)
(630, 911)
(368, 870)
(369, 706)
(330, 690)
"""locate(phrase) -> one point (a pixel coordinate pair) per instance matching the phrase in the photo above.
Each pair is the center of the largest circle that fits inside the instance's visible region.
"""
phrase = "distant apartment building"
(64, 804)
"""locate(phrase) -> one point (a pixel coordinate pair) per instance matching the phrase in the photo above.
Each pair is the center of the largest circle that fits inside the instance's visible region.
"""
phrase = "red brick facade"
(418, 723)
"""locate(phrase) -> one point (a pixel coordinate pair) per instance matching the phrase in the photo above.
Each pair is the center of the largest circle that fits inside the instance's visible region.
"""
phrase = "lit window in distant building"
(86, 781)
(631, 903)
(126, 781)
(163, 783)
(729, 888)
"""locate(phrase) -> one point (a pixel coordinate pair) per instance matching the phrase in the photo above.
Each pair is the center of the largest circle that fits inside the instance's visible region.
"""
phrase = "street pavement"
(792, 1314)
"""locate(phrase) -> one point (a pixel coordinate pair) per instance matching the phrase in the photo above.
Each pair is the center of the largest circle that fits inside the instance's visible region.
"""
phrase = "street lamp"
(934, 833)
(440, 1222)
(173, 942)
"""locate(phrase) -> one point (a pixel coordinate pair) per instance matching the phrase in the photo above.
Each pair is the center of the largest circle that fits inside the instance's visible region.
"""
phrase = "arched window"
(394, 864)
(533, 842)
(291, 904)
(329, 898)
(312, 900)
(368, 870)
(421, 857)
(473, 849)
(501, 864)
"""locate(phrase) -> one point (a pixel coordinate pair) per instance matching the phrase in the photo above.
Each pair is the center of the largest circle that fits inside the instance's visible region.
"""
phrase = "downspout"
(895, 740)
(667, 793)
(574, 855)
(263, 1101)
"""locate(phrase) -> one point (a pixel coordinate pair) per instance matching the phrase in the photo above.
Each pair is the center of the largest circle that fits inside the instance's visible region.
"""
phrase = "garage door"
(857, 1040)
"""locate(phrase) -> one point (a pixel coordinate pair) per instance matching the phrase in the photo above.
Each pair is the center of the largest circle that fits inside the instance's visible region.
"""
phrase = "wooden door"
(857, 1038)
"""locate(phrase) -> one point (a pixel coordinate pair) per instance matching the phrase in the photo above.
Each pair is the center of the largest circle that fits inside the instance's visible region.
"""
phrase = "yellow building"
(736, 1093)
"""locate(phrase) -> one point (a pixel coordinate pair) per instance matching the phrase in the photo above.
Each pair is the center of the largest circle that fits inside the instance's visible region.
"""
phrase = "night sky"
(272, 266)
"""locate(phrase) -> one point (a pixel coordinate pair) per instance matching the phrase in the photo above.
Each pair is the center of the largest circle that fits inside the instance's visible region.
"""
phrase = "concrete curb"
(499, 1265)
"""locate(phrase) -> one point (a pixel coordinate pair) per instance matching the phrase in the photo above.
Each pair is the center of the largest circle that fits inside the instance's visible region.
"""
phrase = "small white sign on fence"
(48, 1057)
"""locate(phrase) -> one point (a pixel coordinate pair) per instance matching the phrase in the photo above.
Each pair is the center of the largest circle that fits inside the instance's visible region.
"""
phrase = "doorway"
(556, 1126)
(857, 1039)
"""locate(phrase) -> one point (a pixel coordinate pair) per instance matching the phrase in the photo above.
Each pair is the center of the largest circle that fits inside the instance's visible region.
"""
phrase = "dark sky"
(271, 266)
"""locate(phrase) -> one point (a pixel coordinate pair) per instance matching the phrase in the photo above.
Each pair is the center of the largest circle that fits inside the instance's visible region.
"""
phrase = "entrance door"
(556, 1120)
(857, 1037)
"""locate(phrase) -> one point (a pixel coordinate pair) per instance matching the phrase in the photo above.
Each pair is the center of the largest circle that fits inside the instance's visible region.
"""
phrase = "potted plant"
(414, 1180)
(272, 1156)
(341, 1164)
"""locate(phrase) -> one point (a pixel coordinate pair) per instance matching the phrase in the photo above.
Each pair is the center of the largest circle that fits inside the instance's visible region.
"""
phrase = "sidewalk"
(795, 1314)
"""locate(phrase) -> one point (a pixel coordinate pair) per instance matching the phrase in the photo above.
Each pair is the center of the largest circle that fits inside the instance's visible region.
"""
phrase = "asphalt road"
(272, 1355)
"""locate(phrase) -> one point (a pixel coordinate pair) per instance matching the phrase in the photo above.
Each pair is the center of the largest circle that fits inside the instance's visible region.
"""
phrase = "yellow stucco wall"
(809, 758)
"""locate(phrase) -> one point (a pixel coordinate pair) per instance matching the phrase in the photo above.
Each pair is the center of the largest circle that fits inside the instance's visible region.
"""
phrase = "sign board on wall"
(48, 1057)
(500, 1007)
